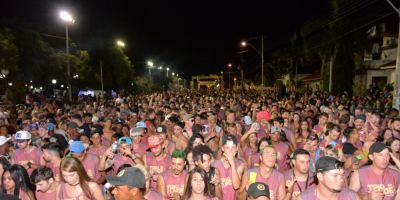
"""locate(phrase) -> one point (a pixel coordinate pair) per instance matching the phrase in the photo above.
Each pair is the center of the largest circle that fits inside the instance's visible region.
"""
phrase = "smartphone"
(114, 147)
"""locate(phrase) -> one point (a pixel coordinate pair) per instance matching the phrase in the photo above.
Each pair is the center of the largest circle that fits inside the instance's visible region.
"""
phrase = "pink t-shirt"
(141, 150)
(228, 192)
(388, 182)
(121, 160)
(99, 151)
(91, 164)
(33, 156)
(153, 195)
(174, 184)
(282, 150)
(273, 181)
(345, 194)
(156, 167)
(300, 186)
(253, 155)
(46, 196)
(55, 169)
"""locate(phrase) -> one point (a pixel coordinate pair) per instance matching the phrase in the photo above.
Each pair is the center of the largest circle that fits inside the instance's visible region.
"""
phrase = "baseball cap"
(161, 129)
(258, 189)
(247, 120)
(130, 176)
(377, 147)
(4, 140)
(154, 141)
(76, 147)
(275, 129)
(126, 140)
(327, 163)
(135, 132)
(141, 125)
(229, 139)
(23, 135)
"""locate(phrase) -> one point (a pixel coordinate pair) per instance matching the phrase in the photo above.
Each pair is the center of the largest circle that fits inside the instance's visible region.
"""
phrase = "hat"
(229, 139)
(258, 189)
(275, 129)
(76, 147)
(263, 115)
(23, 135)
(161, 129)
(247, 120)
(154, 141)
(377, 147)
(141, 125)
(4, 140)
(130, 176)
(187, 117)
(327, 163)
(73, 125)
(126, 140)
(135, 132)
(349, 148)
(362, 117)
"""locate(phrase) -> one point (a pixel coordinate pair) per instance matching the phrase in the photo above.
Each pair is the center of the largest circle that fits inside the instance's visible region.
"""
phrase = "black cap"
(161, 129)
(258, 189)
(130, 176)
(229, 138)
(377, 147)
(349, 148)
(73, 125)
(327, 163)
(173, 119)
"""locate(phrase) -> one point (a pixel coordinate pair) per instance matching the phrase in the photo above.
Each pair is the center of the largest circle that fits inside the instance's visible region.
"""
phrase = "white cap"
(23, 135)
(3, 140)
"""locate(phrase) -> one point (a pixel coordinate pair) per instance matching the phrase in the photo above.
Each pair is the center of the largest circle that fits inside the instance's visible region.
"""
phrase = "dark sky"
(192, 37)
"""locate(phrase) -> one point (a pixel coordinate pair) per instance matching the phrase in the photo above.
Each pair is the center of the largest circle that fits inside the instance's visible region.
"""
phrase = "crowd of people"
(201, 145)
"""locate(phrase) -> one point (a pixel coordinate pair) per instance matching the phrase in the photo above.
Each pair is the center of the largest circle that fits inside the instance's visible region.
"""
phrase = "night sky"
(192, 37)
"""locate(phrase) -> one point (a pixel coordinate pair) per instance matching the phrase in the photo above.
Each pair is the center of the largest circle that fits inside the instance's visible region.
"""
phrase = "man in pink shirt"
(331, 182)
(89, 161)
(52, 156)
(158, 160)
(45, 183)
(97, 148)
(26, 154)
(377, 181)
(172, 182)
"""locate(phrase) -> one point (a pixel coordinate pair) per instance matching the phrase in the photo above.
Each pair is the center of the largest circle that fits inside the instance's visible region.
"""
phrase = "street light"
(54, 81)
(244, 44)
(150, 65)
(160, 67)
(68, 19)
(167, 71)
(120, 43)
(173, 73)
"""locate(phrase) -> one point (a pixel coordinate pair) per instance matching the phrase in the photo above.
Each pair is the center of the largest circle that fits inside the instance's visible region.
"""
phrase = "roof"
(389, 65)
(315, 76)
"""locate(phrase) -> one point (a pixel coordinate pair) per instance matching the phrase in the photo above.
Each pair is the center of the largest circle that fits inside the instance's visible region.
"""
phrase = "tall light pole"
(150, 66)
(244, 43)
(396, 99)
(68, 19)
(167, 71)
(229, 75)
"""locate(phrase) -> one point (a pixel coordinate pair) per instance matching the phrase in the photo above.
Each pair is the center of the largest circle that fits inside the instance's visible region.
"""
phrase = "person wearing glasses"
(330, 182)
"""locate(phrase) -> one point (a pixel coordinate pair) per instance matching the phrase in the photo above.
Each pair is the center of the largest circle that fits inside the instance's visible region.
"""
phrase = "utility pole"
(101, 78)
(396, 97)
(262, 61)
